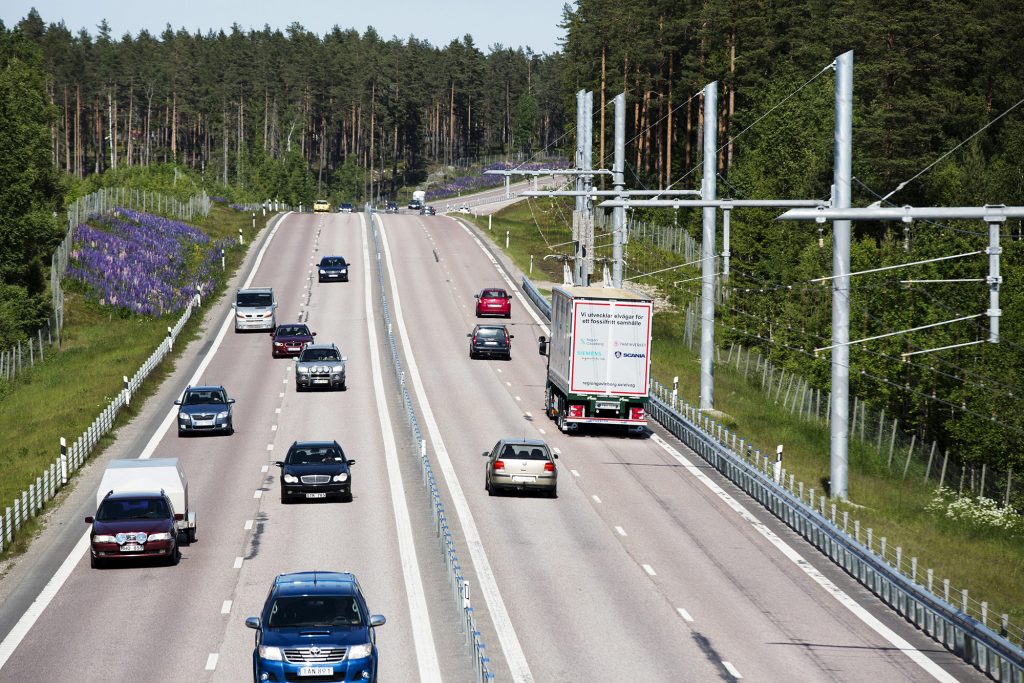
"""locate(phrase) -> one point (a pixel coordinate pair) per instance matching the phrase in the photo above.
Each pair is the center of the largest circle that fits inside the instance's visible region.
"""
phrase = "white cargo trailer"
(599, 357)
(151, 476)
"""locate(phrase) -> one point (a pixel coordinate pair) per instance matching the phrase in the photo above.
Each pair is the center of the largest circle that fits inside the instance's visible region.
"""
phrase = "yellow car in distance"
(321, 206)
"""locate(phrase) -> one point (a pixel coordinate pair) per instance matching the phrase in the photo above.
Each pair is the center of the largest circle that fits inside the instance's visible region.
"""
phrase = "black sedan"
(315, 469)
(428, 211)
(490, 341)
(205, 409)
(332, 268)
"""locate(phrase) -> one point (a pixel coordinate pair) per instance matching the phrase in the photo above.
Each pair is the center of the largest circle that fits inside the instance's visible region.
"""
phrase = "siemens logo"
(590, 354)
(620, 354)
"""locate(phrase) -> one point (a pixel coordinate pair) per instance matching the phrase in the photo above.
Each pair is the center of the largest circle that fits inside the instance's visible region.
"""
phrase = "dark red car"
(134, 525)
(493, 301)
(290, 339)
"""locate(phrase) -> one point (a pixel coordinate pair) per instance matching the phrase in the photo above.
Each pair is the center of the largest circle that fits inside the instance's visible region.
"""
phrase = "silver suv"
(320, 365)
(254, 309)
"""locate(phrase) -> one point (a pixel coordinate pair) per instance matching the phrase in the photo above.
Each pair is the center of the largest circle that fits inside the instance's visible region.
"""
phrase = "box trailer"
(150, 476)
(599, 357)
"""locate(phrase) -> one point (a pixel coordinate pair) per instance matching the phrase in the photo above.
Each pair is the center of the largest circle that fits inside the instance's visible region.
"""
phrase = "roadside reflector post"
(506, 238)
(240, 239)
(127, 391)
(223, 265)
(170, 340)
(63, 461)
(778, 464)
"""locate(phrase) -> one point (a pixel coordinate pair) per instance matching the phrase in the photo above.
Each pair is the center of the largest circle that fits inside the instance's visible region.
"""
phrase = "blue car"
(315, 626)
(332, 268)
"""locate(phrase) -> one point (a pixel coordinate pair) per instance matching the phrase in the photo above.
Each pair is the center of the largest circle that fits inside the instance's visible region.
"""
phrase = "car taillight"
(549, 467)
(499, 465)
(576, 410)
(636, 413)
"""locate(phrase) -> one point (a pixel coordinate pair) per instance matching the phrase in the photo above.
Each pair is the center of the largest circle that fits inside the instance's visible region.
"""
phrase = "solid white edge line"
(509, 641)
(46, 595)
(423, 636)
(211, 661)
(841, 597)
(733, 671)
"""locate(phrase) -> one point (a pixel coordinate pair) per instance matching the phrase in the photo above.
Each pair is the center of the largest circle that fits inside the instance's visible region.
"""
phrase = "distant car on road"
(332, 268)
(205, 409)
(315, 626)
(254, 309)
(315, 469)
(428, 211)
(490, 341)
(320, 366)
(493, 301)
(521, 464)
(390, 207)
(346, 207)
(289, 339)
(321, 206)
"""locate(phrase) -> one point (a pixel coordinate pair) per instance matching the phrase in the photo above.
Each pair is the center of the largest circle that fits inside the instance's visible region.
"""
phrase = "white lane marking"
(225, 607)
(528, 414)
(28, 619)
(238, 563)
(514, 655)
(277, 411)
(845, 600)
(265, 468)
(596, 499)
(281, 395)
(273, 428)
(284, 381)
(248, 524)
(650, 570)
(574, 472)
(684, 614)
(211, 661)
(731, 669)
(258, 493)
(270, 446)
(498, 369)
(541, 430)
(423, 636)
(558, 450)
(511, 285)
(620, 531)
(518, 399)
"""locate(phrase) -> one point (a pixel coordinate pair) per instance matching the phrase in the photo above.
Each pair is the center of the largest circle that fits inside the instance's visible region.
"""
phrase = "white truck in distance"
(599, 357)
(418, 198)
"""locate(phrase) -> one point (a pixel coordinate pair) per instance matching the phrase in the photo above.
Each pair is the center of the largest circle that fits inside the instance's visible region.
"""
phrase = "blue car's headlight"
(360, 651)
(222, 415)
(183, 416)
(271, 653)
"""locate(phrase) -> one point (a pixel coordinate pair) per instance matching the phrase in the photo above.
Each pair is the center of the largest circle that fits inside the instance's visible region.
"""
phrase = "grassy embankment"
(989, 564)
(64, 394)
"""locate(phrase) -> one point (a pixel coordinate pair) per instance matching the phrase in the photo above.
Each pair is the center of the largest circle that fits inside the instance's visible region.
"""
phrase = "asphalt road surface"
(647, 566)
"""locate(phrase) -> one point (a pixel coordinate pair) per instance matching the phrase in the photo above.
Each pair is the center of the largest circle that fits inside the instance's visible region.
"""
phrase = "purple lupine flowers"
(142, 263)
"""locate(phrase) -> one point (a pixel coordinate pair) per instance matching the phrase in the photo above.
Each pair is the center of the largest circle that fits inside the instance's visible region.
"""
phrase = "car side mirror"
(231, 400)
(178, 516)
(177, 402)
(253, 622)
(274, 305)
(542, 345)
(314, 334)
(351, 462)
(377, 620)
(273, 334)
(511, 336)
(486, 454)
(469, 334)
(90, 520)
(279, 463)
(555, 456)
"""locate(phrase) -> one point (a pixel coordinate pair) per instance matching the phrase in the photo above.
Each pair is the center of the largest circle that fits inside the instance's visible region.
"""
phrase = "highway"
(647, 566)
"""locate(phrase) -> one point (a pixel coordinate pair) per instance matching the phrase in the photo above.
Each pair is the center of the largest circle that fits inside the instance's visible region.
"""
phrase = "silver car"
(521, 464)
(320, 366)
(255, 309)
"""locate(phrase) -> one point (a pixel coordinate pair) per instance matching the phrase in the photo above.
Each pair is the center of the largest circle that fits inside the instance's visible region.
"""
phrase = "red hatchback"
(492, 301)
(290, 339)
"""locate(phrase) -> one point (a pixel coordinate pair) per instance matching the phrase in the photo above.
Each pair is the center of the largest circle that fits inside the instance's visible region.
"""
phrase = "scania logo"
(620, 354)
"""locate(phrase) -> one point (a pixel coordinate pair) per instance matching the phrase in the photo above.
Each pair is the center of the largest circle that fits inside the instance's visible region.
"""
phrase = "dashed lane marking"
(238, 562)
(273, 428)
(649, 569)
(265, 468)
(620, 531)
(211, 661)
(270, 446)
(248, 524)
(596, 499)
(258, 493)
(684, 614)
(574, 472)
(225, 607)
(731, 669)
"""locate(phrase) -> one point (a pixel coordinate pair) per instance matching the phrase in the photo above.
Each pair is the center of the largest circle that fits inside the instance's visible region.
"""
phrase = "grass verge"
(989, 564)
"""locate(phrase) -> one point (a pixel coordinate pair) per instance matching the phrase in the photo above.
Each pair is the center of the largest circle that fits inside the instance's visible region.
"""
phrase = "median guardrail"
(459, 585)
(973, 641)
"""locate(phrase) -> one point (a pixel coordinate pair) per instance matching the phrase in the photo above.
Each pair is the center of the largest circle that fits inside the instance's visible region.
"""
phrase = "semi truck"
(599, 357)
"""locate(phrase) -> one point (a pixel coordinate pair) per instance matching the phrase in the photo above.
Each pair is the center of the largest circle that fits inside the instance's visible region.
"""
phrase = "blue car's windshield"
(314, 610)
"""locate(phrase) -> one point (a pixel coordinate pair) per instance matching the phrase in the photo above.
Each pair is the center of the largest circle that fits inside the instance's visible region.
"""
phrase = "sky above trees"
(525, 23)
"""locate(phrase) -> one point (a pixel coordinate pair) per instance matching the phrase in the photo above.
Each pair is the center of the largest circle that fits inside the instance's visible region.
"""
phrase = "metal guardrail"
(971, 640)
(459, 585)
(33, 500)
